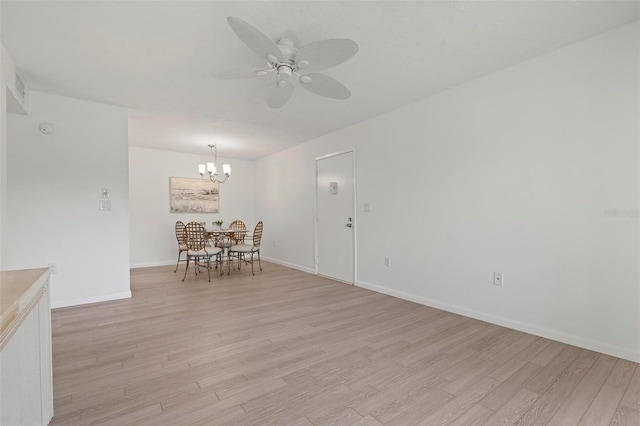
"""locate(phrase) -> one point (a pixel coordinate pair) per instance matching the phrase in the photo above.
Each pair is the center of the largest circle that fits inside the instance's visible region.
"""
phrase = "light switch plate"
(104, 205)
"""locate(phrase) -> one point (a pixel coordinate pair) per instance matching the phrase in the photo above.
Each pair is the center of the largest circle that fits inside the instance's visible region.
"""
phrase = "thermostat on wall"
(333, 187)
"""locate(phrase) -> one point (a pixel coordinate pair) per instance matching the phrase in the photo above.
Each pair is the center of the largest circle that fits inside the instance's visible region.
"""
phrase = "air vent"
(20, 89)
(17, 94)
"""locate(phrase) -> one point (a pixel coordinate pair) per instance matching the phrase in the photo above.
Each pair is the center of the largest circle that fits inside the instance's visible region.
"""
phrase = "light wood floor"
(289, 348)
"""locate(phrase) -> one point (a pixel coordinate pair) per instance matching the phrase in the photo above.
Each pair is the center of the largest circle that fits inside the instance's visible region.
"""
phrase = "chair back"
(238, 237)
(196, 236)
(257, 234)
(181, 232)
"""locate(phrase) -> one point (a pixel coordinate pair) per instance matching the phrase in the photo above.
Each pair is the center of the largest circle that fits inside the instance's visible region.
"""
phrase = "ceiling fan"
(289, 62)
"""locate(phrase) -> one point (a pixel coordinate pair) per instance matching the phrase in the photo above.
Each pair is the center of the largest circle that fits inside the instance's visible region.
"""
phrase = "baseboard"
(552, 334)
(290, 265)
(151, 264)
(86, 300)
(267, 259)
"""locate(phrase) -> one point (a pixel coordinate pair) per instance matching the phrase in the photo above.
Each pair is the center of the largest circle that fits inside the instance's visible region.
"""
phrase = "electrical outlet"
(498, 279)
(53, 268)
(387, 261)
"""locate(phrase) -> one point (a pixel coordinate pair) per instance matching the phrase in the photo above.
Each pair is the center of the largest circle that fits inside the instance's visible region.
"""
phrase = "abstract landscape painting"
(189, 195)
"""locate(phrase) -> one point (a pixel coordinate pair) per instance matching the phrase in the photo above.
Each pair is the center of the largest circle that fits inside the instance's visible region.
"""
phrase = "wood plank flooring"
(289, 348)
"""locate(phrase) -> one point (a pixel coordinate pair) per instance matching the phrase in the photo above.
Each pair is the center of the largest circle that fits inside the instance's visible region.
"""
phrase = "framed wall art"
(188, 195)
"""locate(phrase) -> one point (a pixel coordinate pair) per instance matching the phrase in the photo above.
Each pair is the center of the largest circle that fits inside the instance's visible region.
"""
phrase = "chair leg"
(252, 273)
(209, 267)
(178, 263)
(229, 263)
(186, 269)
(259, 263)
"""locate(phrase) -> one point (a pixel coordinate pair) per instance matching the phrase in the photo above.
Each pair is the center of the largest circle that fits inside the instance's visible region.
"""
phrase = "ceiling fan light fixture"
(272, 59)
(260, 73)
(303, 64)
(305, 79)
(284, 75)
(285, 71)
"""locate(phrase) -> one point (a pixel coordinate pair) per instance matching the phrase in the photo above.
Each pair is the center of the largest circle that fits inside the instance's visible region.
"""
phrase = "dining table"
(222, 237)
(221, 232)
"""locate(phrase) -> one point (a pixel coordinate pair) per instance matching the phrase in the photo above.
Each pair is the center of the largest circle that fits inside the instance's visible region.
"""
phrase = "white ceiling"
(154, 57)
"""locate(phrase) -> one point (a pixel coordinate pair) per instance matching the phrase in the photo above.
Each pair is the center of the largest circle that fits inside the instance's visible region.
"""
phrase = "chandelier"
(210, 170)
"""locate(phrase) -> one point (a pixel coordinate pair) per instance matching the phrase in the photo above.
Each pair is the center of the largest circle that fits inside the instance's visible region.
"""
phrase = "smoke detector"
(46, 128)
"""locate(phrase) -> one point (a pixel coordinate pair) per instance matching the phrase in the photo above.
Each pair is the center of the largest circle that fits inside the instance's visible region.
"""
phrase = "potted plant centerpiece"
(218, 223)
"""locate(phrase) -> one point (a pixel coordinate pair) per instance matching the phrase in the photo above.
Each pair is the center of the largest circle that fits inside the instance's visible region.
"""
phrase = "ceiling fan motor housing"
(288, 50)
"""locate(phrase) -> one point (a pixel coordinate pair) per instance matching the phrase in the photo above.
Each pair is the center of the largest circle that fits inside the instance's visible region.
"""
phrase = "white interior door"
(335, 226)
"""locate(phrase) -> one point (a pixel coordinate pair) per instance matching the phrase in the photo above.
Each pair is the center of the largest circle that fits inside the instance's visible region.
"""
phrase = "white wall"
(513, 172)
(153, 240)
(9, 100)
(54, 185)
(3, 151)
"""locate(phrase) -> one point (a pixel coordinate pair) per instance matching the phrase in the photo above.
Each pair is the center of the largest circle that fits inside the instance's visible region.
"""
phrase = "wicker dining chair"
(197, 249)
(224, 241)
(234, 238)
(241, 251)
(181, 237)
(238, 237)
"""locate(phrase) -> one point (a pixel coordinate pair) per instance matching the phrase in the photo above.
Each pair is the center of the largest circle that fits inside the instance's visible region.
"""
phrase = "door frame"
(353, 205)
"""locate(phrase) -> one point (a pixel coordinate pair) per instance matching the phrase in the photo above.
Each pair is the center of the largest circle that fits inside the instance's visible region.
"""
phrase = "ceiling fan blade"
(324, 85)
(277, 96)
(255, 39)
(238, 73)
(320, 55)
